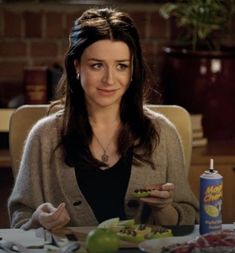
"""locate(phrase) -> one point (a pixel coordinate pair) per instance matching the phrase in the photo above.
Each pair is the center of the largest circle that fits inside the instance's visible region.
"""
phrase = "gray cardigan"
(44, 177)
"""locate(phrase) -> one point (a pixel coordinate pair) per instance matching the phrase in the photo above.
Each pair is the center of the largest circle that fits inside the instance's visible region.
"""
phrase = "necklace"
(104, 156)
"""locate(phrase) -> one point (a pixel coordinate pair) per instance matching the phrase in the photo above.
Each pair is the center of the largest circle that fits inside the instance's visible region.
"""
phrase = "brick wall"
(37, 34)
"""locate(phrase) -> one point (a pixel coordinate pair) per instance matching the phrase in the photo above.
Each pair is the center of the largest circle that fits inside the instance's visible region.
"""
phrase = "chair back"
(182, 121)
(24, 117)
(21, 123)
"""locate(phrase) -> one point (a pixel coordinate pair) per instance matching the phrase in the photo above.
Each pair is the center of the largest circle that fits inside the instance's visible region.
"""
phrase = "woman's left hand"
(160, 195)
(160, 201)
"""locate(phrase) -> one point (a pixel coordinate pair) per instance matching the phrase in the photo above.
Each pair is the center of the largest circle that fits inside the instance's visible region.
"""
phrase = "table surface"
(29, 237)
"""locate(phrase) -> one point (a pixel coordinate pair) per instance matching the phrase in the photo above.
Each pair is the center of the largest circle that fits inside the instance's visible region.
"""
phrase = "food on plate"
(137, 234)
(128, 230)
(110, 223)
(101, 240)
(115, 224)
(161, 232)
(143, 232)
(220, 242)
(127, 223)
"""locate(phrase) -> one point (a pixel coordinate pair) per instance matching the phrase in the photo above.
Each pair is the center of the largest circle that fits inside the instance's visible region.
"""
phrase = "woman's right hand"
(51, 217)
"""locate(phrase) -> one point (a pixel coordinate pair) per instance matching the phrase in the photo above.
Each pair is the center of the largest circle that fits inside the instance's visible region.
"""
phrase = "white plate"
(155, 245)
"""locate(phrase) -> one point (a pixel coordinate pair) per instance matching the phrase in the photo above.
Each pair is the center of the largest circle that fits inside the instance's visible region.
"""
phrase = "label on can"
(211, 193)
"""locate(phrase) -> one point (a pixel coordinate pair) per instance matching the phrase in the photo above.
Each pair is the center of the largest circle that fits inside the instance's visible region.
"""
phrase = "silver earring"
(78, 76)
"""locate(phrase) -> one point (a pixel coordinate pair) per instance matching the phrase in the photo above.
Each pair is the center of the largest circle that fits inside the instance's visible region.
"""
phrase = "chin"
(108, 103)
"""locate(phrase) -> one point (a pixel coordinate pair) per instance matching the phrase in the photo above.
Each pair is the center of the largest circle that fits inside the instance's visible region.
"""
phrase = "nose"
(109, 76)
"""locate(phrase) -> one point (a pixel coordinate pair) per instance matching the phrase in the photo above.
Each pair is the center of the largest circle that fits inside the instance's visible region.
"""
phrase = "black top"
(105, 190)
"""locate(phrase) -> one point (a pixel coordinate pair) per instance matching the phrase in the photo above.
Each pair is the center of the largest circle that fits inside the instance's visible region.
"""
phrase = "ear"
(77, 66)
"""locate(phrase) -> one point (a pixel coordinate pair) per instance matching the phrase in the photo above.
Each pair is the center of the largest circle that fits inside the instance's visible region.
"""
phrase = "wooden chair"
(26, 116)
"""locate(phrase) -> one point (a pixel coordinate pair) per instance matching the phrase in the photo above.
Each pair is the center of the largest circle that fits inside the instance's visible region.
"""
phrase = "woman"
(82, 165)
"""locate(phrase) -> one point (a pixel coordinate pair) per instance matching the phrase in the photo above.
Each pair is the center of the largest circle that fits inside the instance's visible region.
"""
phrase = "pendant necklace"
(104, 156)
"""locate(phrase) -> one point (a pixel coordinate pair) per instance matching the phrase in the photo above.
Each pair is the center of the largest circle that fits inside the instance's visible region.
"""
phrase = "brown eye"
(122, 66)
(96, 66)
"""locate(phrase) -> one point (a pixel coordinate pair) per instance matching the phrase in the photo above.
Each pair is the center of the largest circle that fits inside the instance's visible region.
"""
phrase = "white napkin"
(26, 238)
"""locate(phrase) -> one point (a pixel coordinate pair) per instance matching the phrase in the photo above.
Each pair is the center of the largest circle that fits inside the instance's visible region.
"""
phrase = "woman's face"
(105, 70)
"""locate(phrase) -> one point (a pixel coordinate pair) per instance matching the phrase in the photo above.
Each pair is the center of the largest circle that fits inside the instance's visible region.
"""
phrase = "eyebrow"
(99, 60)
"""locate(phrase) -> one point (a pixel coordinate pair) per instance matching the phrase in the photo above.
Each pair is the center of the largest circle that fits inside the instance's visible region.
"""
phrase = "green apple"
(101, 240)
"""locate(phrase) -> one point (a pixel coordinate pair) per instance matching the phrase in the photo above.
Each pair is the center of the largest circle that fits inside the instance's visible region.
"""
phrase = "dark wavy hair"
(138, 133)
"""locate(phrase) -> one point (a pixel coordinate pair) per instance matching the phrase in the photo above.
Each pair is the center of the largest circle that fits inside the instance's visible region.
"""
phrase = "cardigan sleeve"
(169, 166)
(183, 200)
(27, 193)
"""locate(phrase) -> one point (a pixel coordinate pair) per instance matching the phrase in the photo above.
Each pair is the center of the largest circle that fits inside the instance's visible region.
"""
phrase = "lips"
(106, 92)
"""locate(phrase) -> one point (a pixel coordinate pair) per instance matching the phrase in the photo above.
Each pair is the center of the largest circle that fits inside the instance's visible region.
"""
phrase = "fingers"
(51, 217)
(163, 191)
(46, 207)
(168, 187)
(160, 187)
(58, 223)
(160, 196)
(156, 203)
(58, 211)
